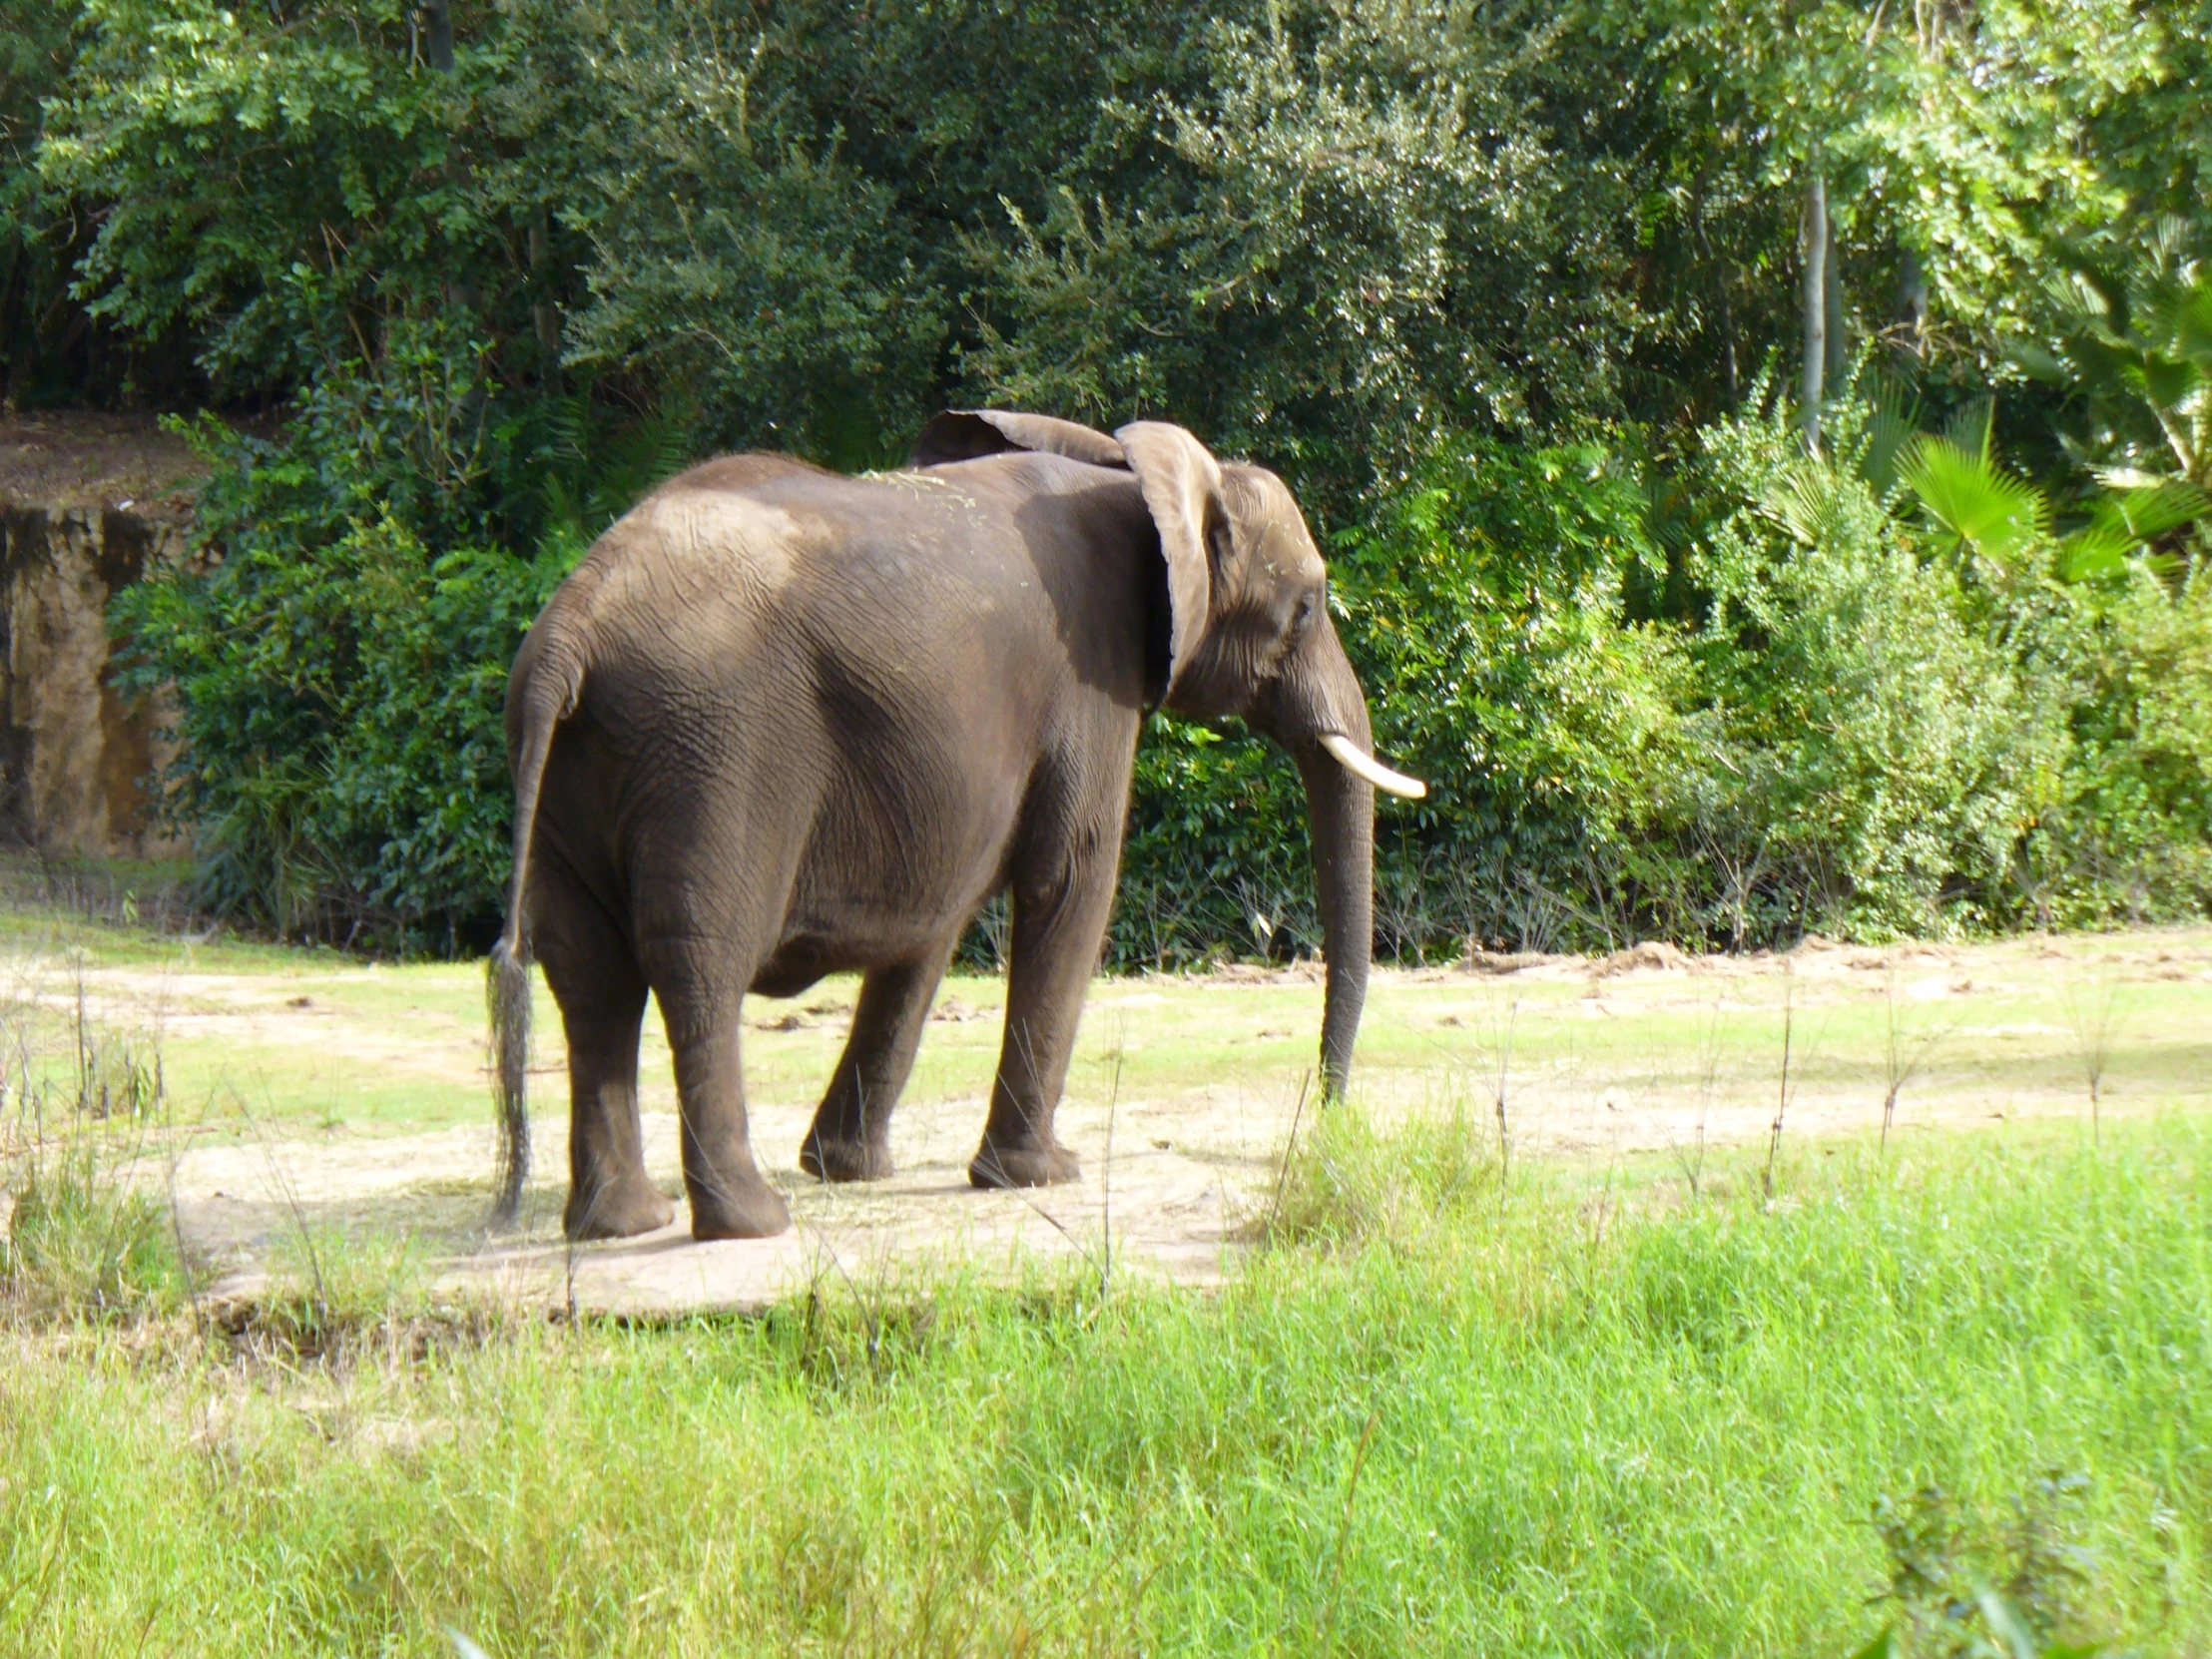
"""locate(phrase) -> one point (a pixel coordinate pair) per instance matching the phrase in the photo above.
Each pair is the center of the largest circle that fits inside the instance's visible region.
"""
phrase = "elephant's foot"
(826, 1158)
(618, 1209)
(742, 1206)
(1030, 1164)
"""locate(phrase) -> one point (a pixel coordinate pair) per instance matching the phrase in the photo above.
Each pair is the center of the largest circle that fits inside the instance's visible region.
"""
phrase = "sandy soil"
(1171, 1177)
(84, 458)
(1170, 1210)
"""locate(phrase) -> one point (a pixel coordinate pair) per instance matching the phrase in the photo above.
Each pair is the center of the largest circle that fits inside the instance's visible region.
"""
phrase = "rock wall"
(79, 761)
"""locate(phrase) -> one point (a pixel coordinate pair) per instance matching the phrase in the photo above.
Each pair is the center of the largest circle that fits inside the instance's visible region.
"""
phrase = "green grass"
(1594, 1420)
(79, 1244)
(1569, 1406)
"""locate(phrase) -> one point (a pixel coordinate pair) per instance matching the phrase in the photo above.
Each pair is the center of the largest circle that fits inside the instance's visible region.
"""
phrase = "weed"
(80, 1240)
(1344, 1531)
(1290, 1156)
(1902, 1048)
(1963, 1590)
(1782, 1088)
(2096, 1012)
(1347, 1183)
(1504, 1073)
(1692, 1163)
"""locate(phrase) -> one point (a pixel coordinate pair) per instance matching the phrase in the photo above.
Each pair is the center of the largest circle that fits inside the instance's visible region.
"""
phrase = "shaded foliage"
(1502, 289)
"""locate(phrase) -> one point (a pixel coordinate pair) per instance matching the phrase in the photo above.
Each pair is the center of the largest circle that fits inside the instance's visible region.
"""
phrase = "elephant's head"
(1249, 634)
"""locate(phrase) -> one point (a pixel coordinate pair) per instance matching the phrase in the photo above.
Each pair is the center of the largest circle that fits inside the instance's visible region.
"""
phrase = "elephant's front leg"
(730, 1198)
(1058, 922)
(851, 1137)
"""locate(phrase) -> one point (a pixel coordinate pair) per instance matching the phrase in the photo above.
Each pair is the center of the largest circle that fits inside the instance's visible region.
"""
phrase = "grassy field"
(1446, 1404)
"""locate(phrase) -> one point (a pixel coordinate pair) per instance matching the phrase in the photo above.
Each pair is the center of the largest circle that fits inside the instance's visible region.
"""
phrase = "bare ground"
(1602, 1059)
(86, 458)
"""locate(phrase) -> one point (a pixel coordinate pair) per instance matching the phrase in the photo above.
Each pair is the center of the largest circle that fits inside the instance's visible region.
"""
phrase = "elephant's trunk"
(1317, 711)
(1339, 808)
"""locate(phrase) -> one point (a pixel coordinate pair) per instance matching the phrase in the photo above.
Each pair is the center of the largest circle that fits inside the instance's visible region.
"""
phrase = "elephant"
(782, 722)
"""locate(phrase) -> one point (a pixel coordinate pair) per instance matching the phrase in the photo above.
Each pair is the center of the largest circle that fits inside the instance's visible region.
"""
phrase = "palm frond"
(2192, 325)
(2152, 512)
(1969, 428)
(1972, 500)
(2123, 523)
(1892, 420)
(1802, 501)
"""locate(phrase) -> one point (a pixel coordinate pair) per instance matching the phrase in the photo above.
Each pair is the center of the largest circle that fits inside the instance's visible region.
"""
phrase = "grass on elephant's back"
(1581, 1422)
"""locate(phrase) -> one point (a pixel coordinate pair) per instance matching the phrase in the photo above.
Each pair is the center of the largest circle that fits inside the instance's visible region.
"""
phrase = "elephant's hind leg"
(851, 1137)
(602, 997)
(730, 1198)
(609, 1196)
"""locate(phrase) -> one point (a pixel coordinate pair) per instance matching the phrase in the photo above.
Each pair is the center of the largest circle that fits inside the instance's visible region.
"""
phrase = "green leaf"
(1890, 427)
(2192, 326)
(1884, 1646)
(1972, 500)
(1802, 501)
(2124, 521)
(1969, 428)
(2154, 510)
(2092, 554)
(2167, 382)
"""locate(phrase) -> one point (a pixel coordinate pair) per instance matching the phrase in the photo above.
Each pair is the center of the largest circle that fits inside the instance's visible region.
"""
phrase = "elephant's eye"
(1304, 618)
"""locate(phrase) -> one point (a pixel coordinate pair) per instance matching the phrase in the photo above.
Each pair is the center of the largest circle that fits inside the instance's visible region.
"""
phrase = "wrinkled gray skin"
(781, 724)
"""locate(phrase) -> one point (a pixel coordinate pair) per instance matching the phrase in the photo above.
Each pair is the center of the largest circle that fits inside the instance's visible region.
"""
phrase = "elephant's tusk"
(1366, 766)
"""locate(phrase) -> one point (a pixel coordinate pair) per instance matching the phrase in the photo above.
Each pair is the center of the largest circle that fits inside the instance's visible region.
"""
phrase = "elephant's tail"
(549, 695)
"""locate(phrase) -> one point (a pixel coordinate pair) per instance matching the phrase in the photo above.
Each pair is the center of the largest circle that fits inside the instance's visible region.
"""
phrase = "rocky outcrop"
(90, 501)
(79, 759)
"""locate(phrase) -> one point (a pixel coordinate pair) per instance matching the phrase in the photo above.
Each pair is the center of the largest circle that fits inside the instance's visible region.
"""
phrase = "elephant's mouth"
(1365, 767)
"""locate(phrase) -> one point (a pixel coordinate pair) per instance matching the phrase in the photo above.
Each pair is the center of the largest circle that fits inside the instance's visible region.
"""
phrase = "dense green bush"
(338, 653)
(1501, 292)
(1885, 744)
(1483, 608)
(2126, 832)
(1842, 720)
(1810, 709)
(348, 767)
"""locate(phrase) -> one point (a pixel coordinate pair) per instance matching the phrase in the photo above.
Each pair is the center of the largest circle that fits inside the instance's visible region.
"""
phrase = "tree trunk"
(1838, 360)
(1814, 304)
(544, 316)
(437, 32)
(1727, 316)
(1911, 305)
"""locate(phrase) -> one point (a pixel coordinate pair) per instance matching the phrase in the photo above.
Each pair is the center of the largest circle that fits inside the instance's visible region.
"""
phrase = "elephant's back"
(760, 588)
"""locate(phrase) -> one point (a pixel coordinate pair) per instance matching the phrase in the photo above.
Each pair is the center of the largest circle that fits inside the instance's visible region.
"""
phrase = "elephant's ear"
(963, 434)
(1182, 487)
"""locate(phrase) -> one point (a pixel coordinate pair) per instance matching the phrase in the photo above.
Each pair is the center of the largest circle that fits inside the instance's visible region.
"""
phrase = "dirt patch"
(1305, 971)
(1165, 1204)
(1479, 961)
(80, 458)
(1602, 1059)
(1652, 956)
